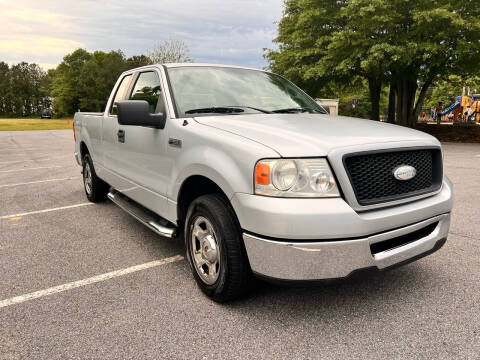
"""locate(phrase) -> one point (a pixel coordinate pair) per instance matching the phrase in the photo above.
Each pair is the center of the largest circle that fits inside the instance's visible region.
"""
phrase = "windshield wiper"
(215, 109)
(250, 107)
(229, 109)
(294, 110)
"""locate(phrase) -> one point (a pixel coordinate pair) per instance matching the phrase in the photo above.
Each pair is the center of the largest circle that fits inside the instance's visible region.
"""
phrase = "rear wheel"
(215, 250)
(95, 188)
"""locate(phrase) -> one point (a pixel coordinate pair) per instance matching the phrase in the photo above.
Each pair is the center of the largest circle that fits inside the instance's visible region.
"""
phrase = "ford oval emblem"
(404, 172)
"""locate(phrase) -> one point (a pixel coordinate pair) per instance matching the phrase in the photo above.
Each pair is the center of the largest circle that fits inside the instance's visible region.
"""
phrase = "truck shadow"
(363, 294)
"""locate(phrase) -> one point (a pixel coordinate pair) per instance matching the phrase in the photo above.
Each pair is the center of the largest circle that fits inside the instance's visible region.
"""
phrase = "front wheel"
(215, 249)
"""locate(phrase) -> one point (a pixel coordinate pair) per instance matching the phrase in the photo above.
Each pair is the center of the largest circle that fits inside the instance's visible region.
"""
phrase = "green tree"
(97, 78)
(65, 88)
(438, 38)
(4, 88)
(36, 77)
(46, 88)
(138, 61)
(359, 48)
(22, 95)
(304, 33)
(83, 81)
(403, 44)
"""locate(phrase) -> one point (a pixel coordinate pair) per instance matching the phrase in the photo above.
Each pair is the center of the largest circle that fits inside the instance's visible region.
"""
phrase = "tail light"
(73, 127)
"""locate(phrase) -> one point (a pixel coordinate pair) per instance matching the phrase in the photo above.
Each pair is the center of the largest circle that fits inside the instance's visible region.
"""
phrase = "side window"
(148, 88)
(121, 94)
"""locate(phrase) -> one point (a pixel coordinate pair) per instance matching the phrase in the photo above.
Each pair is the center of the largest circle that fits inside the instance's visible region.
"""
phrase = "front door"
(141, 151)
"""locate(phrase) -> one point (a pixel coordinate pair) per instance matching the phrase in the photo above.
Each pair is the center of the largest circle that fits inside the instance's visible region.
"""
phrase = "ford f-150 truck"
(259, 180)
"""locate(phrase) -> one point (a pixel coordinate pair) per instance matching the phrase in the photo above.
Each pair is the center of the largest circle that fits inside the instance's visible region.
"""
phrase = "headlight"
(295, 178)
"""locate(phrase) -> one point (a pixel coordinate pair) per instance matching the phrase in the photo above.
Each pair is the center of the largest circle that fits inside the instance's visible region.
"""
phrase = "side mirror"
(136, 112)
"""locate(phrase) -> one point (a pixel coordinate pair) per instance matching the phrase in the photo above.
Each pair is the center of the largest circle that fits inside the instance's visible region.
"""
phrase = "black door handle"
(121, 135)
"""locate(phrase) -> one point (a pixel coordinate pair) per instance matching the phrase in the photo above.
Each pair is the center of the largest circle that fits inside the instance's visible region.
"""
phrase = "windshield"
(217, 90)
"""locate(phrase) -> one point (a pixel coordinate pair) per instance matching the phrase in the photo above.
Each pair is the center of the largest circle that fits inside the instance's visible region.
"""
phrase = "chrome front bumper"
(316, 260)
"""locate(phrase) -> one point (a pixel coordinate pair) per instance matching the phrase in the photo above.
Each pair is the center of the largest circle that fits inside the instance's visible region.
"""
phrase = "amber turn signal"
(262, 174)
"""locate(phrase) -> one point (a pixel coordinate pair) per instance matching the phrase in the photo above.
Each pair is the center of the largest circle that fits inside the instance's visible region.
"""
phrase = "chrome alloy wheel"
(204, 251)
(87, 178)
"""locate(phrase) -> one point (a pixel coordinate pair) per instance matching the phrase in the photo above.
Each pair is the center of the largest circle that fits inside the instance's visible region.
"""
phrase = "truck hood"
(300, 135)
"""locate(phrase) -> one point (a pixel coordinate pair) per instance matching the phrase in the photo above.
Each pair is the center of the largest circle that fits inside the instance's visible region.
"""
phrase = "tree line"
(23, 89)
(82, 81)
(397, 50)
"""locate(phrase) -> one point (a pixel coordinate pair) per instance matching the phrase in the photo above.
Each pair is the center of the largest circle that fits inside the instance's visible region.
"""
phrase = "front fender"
(226, 159)
(221, 168)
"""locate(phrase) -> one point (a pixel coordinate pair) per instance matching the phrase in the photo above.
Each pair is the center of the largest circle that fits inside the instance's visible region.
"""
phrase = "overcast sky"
(228, 31)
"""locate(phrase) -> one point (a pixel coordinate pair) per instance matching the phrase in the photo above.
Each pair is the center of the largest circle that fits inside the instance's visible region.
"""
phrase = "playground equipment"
(476, 107)
(465, 109)
(452, 107)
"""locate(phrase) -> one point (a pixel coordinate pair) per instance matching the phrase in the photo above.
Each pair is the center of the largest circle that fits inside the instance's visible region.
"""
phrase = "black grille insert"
(371, 174)
(402, 240)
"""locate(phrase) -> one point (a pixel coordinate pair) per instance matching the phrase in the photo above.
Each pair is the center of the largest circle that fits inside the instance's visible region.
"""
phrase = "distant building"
(329, 104)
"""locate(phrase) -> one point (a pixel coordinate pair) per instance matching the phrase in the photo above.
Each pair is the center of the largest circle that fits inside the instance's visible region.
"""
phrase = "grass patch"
(34, 124)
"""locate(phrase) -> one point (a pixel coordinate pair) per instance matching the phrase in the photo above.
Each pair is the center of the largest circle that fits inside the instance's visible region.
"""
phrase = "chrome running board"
(148, 218)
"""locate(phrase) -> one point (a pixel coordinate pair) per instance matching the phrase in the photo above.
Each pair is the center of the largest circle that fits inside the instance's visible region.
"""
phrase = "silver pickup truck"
(259, 180)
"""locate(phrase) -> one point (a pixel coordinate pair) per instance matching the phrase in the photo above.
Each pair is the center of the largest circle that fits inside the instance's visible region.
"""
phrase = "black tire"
(234, 272)
(96, 189)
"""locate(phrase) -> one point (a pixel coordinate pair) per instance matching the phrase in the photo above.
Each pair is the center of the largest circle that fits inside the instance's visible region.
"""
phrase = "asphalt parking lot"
(428, 309)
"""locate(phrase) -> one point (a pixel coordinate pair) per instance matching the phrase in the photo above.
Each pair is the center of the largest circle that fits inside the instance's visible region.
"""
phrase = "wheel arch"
(193, 187)
(83, 149)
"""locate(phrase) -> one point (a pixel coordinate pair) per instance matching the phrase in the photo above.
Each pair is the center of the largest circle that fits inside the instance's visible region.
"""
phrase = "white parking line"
(45, 210)
(37, 168)
(25, 160)
(17, 161)
(18, 148)
(88, 281)
(38, 160)
(38, 181)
